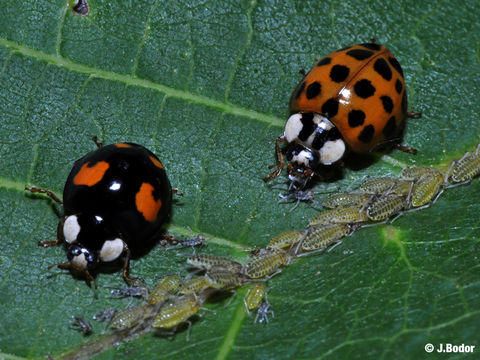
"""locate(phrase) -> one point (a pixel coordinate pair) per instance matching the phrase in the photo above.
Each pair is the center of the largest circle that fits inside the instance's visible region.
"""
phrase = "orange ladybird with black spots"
(353, 99)
(115, 201)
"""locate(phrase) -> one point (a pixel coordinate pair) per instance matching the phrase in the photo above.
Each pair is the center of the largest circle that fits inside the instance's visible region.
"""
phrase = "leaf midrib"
(131, 80)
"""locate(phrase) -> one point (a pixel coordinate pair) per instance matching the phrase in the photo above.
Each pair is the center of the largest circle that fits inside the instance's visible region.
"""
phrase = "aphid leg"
(47, 192)
(312, 252)
(234, 293)
(246, 305)
(126, 268)
(280, 160)
(97, 142)
(407, 201)
(395, 217)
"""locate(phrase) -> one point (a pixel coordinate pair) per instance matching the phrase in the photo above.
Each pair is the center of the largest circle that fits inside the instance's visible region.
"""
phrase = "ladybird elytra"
(90, 174)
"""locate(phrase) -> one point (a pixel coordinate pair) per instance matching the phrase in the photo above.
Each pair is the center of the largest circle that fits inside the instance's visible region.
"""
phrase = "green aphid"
(377, 185)
(219, 277)
(426, 189)
(266, 264)
(254, 296)
(194, 285)
(286, 239)
(206, 262)
(131, 317)
(319, 237)
(401, 187)
(416, 172)
(385, 206)
(466, 168)
(176, 312)
(164, 289)
(342, 215)
(346, 200)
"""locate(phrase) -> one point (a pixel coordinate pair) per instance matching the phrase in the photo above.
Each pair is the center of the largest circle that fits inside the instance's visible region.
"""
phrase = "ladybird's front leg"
(280, 159)
(126, 268)
(49, 193)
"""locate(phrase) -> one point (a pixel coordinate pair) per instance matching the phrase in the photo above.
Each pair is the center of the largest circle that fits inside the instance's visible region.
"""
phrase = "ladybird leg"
(46, 244)
(407, 149)
(280, 160)
(49, 193)
(97, 142)
(69, 265)
(126, 269)
(414, 114)
(302, 72)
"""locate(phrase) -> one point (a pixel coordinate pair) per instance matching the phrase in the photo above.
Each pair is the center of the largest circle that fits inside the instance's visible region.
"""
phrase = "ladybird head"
(316, 133)
(302, 161)
(91, 240)
(82, 258)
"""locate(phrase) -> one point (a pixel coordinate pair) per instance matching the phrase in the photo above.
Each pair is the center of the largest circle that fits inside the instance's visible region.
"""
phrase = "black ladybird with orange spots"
(115, 200)
(353, 99)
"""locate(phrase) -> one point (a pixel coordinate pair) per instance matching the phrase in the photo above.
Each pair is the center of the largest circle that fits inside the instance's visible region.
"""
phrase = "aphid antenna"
(450, 186)
(367, 203)
(446, 179)
(338, 242)
(306, 253)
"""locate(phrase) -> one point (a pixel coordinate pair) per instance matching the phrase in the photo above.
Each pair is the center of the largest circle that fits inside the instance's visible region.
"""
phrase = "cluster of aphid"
(174, 300)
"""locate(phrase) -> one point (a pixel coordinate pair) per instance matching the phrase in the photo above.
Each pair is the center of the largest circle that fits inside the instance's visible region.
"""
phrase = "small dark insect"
(81, 7)
(195, 241)
(81, 325)
(263, 311)
(198, 240)
(137, 291)
(105, 315)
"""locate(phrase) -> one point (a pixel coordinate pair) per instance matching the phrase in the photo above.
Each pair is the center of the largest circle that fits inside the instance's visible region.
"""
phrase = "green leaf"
(205, 85)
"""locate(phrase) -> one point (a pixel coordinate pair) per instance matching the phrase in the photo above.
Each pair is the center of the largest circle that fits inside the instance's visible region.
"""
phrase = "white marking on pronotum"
(71, 229)
(332, 151)
(111, 250)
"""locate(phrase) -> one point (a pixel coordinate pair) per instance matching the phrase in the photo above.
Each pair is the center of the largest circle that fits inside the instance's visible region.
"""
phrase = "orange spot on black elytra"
(90, 174)
(123, 145)
(156, 162)
(146, 203)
